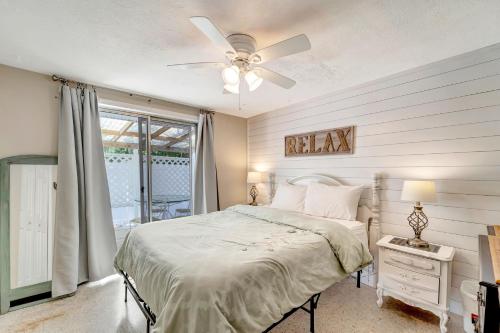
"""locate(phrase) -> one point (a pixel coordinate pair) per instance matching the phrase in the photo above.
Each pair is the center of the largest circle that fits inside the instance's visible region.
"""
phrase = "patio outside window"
(149, 168)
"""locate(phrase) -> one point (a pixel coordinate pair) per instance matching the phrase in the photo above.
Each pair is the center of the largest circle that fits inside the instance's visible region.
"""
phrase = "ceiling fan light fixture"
(231, 75)
(233, 88)
(240, 50)
(253, 80)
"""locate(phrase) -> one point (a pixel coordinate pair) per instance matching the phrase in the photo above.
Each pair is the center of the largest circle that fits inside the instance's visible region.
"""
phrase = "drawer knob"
(408, 290)
(412, 277)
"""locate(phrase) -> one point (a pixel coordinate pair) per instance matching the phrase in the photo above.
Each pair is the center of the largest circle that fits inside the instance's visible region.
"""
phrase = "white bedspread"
(238, 270)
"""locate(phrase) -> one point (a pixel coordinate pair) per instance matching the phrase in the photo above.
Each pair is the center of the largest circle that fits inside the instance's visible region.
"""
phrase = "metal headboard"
(323, 179)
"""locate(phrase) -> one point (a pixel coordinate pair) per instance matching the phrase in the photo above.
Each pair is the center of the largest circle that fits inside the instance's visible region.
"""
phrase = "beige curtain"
(84, 238)
(206, 198)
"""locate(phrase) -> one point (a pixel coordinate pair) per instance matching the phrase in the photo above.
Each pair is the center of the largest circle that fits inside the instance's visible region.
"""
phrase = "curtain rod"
(203, 111)
(64, 80)
(148, 99)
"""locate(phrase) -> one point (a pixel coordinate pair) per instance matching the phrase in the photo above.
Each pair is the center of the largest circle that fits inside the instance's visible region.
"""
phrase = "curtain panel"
(206, 197)
(84, 238)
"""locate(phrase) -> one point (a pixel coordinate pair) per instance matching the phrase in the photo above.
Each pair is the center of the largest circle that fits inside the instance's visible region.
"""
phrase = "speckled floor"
(99, 307)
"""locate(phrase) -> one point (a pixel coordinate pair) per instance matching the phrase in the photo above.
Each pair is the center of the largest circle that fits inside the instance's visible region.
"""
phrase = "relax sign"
(333, 141)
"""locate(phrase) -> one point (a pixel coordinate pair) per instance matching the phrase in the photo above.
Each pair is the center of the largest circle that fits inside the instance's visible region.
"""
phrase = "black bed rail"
(146, 310)
(312, 303)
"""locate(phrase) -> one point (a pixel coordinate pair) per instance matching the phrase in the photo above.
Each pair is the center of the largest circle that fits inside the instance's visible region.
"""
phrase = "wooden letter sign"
(333, 141)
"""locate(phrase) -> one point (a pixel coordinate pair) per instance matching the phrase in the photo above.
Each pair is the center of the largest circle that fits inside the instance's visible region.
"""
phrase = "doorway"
(149, 168)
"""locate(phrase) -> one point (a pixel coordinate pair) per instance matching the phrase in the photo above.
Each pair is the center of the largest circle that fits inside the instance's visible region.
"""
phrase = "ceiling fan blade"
(196, 65)
(275, 78)
(284, 48)
(214, 34)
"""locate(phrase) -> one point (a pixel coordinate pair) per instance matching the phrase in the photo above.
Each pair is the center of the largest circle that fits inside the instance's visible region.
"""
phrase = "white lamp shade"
(254, 177)
(419, 190)
(231, 75)
(253, 80)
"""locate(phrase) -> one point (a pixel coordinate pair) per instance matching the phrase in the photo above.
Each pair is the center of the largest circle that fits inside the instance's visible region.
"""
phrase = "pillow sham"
(339, 202)
(289, 197)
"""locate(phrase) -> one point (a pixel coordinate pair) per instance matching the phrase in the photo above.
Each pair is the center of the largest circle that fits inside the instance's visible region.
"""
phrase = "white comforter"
(238, 270)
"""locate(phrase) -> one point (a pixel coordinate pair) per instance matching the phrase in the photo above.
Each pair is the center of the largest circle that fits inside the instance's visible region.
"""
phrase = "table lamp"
(418, 191)
(254, 178)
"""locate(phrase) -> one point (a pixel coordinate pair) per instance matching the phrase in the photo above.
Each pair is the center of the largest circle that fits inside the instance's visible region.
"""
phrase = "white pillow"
(339, 202)
(289, 197)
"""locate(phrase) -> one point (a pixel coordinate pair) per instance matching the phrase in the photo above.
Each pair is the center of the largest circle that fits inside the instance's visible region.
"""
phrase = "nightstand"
(417, 277)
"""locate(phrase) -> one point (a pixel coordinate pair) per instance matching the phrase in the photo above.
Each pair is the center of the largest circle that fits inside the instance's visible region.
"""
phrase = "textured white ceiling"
(126, 44)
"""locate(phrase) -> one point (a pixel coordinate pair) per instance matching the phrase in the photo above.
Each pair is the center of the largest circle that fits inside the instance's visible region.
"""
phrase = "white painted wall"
(440, 121)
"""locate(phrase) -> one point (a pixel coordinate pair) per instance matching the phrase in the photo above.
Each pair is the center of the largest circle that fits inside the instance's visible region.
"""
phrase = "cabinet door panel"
(32, 198)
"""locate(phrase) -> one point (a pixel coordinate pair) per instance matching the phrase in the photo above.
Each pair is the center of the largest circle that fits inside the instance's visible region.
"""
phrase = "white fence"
(170, 175)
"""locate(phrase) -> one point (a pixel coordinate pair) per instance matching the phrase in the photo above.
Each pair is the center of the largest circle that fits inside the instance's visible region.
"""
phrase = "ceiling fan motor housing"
(243, 44)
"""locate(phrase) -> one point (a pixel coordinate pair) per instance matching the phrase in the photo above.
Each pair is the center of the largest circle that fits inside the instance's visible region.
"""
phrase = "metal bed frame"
(151, 317)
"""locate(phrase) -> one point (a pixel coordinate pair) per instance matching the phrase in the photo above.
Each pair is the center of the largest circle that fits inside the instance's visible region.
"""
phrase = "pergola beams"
(124, 132)
(160, 131)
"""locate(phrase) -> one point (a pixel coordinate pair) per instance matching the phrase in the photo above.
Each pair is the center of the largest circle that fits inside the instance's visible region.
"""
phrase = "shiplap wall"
(440, 121)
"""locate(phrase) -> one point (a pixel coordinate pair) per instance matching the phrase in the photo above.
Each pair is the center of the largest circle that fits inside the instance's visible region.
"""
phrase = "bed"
(244, 269)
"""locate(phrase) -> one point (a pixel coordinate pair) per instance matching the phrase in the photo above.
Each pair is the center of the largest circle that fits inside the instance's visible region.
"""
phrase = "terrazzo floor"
(99, 307)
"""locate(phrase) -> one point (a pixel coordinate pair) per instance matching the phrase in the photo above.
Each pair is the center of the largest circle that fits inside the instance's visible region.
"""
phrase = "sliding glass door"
(149, 168)
(171, 172)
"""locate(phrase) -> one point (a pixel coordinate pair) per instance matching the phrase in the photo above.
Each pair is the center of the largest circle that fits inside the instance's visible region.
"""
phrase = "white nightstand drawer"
(417, 280)
(410, 291)
(412, 262)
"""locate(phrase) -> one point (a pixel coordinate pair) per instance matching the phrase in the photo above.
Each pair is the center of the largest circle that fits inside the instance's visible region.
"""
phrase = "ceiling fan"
(244, 60)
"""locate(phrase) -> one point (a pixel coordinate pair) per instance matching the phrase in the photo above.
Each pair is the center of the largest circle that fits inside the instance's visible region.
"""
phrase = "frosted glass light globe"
(231, 75)
(253, 80)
